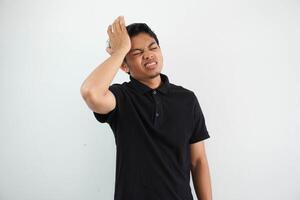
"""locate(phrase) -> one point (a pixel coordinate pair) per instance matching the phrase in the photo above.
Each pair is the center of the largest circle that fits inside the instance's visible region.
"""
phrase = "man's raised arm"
(94, 89)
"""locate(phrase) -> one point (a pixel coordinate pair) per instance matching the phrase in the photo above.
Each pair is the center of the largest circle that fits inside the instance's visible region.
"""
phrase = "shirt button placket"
(154, 92)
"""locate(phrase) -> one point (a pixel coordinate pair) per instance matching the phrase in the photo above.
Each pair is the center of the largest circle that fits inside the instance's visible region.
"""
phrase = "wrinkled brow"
(137, 49)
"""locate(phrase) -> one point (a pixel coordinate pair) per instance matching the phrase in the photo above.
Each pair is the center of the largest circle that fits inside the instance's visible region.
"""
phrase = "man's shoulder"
(181, 89)
(118, 89)
(118, 85)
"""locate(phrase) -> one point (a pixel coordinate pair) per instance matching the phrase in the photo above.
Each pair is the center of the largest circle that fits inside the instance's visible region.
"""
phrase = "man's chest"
(160, 119)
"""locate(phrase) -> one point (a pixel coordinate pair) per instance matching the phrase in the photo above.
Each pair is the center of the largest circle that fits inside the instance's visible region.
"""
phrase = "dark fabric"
(153, 129)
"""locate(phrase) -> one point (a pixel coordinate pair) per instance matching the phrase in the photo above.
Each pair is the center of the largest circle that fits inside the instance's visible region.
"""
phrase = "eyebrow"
(141, 49)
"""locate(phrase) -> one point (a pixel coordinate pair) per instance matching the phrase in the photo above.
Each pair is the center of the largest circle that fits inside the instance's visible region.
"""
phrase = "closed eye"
(137, 53)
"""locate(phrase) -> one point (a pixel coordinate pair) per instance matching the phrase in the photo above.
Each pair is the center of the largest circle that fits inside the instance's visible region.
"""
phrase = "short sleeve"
(199, 127)
(111, 117)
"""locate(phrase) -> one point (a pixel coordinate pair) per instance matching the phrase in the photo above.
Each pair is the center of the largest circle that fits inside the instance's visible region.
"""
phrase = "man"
(158, 126)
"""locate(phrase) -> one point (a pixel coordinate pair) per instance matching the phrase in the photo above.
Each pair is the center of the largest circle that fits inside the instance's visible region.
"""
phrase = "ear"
(125, 67)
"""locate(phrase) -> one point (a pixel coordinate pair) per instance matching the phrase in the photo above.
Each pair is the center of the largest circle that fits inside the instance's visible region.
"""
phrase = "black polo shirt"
(153, 129)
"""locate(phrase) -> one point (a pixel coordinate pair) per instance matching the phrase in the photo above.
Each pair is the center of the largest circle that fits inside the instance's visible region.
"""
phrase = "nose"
(147, 55)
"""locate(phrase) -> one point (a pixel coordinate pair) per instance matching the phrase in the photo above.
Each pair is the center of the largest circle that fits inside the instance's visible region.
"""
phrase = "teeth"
(150, 64)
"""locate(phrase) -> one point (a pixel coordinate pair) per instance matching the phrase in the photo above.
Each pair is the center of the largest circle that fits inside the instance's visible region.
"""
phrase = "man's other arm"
(200, 171)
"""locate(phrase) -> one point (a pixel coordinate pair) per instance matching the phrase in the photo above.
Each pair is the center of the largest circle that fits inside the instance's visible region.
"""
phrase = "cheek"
(135, 62)
(160, 57)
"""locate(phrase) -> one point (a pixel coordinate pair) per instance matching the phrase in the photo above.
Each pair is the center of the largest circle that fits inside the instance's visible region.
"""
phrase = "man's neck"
(153, 83)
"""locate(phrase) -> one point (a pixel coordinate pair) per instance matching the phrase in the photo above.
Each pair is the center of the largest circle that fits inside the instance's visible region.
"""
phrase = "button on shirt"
(153, 129)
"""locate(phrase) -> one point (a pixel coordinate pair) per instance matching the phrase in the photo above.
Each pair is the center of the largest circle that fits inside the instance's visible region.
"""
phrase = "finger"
(109, 50)
(109, 30)
(115, 25)
(121, 23)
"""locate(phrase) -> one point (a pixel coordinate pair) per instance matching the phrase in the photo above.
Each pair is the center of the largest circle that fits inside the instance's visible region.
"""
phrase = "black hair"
(137, 28)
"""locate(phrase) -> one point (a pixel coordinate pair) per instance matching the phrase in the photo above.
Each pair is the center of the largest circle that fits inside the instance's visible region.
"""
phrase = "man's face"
(144, 59)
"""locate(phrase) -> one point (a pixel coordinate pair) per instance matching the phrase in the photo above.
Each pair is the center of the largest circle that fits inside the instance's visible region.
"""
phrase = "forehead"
(141, 40)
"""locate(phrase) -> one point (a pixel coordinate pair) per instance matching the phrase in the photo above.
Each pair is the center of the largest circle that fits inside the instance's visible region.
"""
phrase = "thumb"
(109, 50)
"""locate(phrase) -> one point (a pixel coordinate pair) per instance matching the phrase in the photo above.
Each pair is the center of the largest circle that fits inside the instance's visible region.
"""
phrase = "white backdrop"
(241, 58)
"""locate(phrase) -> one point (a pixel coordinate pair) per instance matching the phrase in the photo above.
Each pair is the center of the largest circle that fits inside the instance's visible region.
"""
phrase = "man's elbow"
(88, 93)
(199, 162)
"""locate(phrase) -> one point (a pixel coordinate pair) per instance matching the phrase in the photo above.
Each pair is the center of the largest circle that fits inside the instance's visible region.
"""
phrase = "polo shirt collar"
(142, 88)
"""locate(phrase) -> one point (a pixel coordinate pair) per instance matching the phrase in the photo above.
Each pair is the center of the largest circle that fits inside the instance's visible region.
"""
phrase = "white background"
(241, 58)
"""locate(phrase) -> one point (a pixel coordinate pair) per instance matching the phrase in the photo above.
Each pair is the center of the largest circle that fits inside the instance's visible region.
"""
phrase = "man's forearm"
(101, 77)
(98, 82)
(201, 180)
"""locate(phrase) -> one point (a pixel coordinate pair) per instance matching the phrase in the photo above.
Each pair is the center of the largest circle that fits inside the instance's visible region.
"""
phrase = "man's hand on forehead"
(119, 40)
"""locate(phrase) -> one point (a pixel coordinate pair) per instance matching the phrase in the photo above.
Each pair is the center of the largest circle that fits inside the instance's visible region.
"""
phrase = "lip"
(150, 64)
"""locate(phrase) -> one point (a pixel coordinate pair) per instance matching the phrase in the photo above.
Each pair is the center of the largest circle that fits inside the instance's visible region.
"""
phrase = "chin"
(155, 74)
